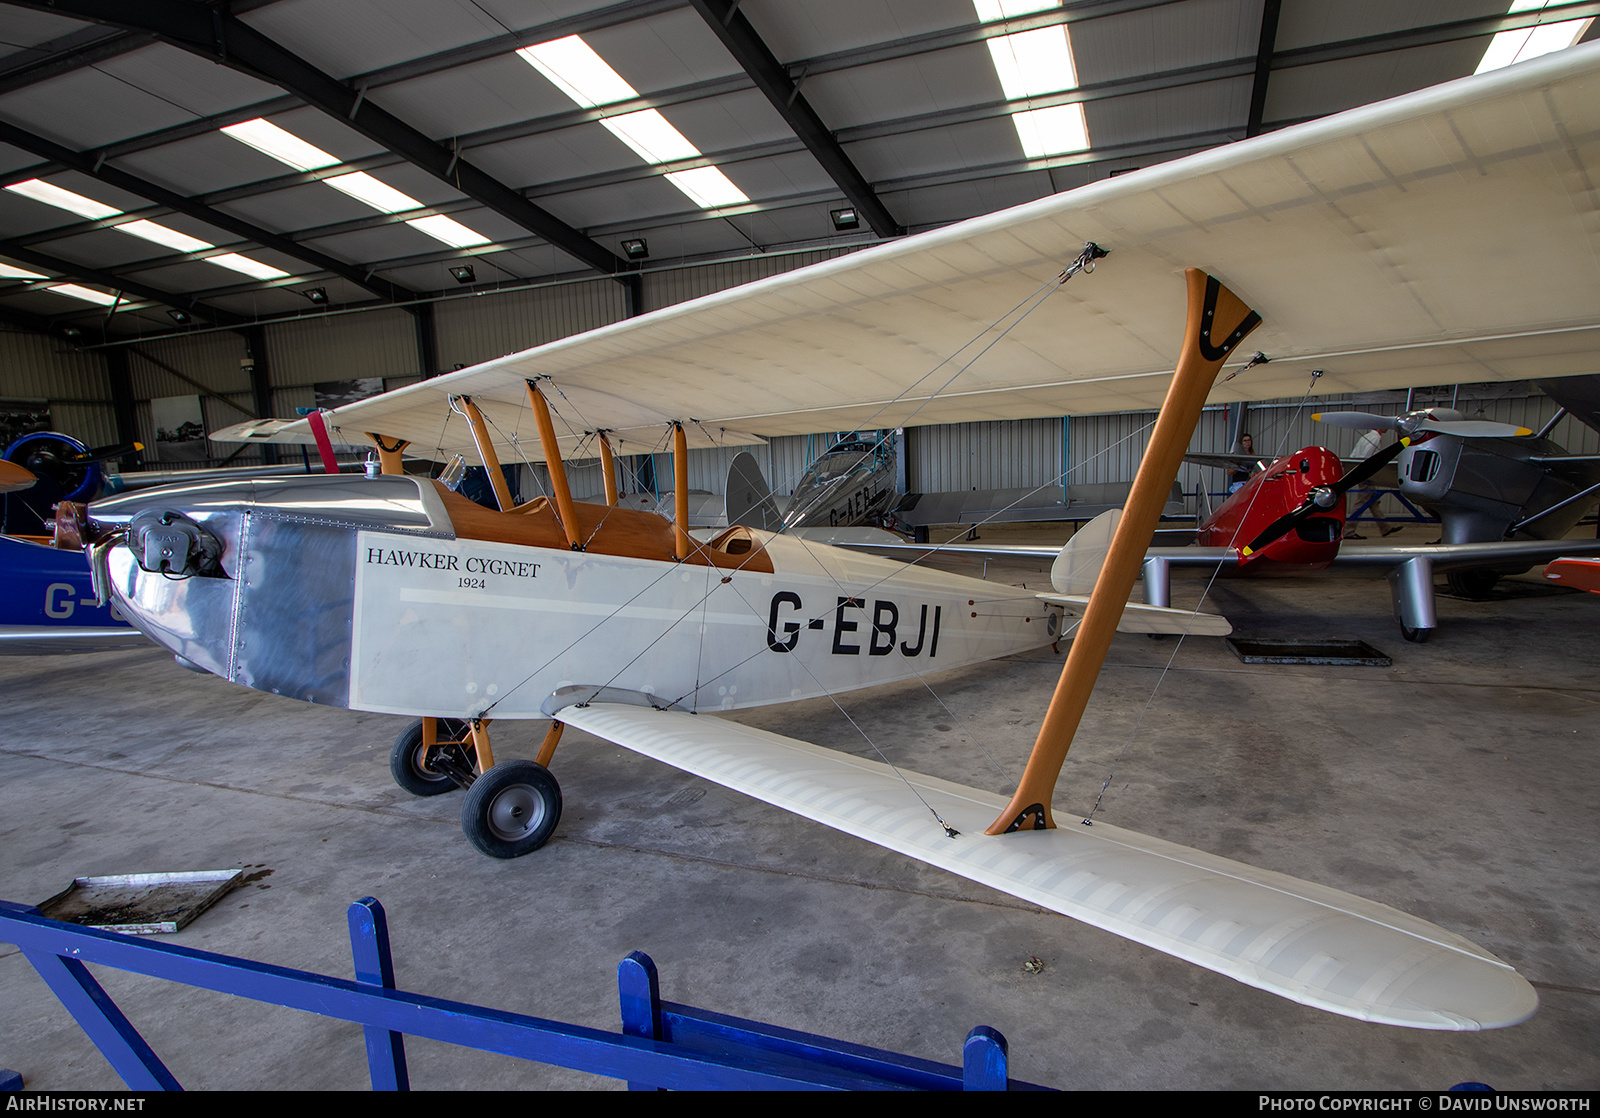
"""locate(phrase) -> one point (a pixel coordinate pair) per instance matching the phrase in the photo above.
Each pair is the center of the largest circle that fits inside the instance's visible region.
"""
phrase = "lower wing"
(1308, 943)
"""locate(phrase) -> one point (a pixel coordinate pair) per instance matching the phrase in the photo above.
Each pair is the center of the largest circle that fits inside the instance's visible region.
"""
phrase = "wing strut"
(1213, 311)
(609, 466)
(491, 461)
(553, 463)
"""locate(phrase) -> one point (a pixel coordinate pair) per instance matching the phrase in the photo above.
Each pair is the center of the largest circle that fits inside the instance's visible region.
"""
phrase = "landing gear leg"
(1411, 586)
(432, 756)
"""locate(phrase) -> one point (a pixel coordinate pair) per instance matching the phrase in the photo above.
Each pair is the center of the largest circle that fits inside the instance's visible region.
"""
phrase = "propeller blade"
(102, 453)
(1370, 466)
(13, 477)
(1358, 420)
(1280, 527)
(1309, 508)
(1473, 428)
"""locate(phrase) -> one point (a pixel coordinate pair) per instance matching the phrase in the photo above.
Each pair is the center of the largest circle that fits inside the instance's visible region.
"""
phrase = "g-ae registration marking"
(440, 561)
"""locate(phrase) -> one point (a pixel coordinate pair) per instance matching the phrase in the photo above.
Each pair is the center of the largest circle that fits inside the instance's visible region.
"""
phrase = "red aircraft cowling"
(1281, 488)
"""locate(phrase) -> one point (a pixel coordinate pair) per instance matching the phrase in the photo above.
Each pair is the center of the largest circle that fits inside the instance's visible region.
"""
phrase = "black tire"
(1474, 585)
(1415, 636)
(405, 759)
(512, 809)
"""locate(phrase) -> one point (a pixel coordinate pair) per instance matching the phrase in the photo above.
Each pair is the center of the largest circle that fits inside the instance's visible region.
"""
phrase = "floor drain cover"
(139, 904)
(1268, 650)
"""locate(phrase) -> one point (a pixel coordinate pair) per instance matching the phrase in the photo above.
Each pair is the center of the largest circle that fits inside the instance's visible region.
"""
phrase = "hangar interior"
(241, 201)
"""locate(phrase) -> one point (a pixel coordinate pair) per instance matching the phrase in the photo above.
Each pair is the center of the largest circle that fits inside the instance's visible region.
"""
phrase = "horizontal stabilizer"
(1308, 943)
(1140, 618)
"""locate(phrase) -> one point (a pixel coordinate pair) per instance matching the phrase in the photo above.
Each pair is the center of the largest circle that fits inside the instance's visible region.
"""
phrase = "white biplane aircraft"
(1449, 235)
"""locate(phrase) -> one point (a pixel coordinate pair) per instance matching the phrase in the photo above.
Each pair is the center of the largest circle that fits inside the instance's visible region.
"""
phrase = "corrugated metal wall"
(1006, 455)
(484, 327)
(379, 343)
(204, 365)
(34, 367)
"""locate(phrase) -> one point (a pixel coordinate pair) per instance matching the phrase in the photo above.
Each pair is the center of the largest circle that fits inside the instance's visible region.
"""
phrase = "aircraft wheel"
(512, 809)
(406, 759)
(1416, 636)
(1475, 585)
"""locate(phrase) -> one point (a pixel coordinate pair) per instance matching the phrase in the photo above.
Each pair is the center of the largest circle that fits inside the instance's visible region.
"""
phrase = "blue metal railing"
(662, 1044)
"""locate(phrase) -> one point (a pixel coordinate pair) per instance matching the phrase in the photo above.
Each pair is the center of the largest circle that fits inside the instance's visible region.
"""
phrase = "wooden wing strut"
(1218, 321)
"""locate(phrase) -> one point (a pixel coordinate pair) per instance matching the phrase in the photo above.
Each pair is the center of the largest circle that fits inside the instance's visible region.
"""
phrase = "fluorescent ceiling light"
(11, 271)
(380, 196)
(991, 10)
(575, 69)
(41, 191)
(445, 229)
(252, 268)
(648, 133)
(707, 187)
(288, 148)
(283, 146)
(161, 235)
(99, 298)
(1053, 131)
(1032, 63)
(1508, 47)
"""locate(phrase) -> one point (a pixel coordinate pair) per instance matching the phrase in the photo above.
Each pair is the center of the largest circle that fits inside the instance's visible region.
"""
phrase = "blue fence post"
(98, 1016)
(984, 1060)
(639, 991)
(369, 944)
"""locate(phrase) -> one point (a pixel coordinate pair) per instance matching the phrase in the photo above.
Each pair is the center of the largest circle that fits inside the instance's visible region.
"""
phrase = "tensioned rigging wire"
(807, 547)
(1084, 262)
(1283, 439)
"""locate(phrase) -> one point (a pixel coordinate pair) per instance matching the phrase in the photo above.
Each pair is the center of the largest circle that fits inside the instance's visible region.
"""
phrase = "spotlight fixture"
(636, 249)
(318, 295)
(182, 318)
(846, 218)
(463, 273)
(71, 332)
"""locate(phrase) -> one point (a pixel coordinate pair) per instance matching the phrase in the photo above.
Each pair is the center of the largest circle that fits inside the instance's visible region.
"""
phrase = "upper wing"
(1306, 942)
(1443, 236)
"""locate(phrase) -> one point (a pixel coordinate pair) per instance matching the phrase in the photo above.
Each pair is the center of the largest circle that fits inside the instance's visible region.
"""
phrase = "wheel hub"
(516, 812)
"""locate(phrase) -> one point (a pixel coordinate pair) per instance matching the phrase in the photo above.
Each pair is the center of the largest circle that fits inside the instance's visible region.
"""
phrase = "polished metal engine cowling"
(276, 616)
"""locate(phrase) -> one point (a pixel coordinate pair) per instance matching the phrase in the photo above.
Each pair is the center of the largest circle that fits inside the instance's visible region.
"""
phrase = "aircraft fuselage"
(357, 592)
(1281, 488)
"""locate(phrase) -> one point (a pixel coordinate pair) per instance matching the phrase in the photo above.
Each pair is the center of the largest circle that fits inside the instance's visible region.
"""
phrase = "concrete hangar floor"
(1461, 784)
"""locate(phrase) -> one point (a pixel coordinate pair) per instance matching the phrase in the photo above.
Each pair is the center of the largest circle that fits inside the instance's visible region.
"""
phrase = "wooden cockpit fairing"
(604, 531)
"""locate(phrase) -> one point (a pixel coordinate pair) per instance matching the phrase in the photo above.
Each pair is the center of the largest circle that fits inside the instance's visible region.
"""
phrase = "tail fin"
(748, 499)
(1074, 572)
(1079, 563)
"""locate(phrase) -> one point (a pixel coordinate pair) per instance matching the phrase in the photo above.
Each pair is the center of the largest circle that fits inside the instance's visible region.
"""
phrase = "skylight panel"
(574, 68)
(707, 187)
(448, 230)
(648, 133)
(282, 145)
(1032, 63)
(88, 295)
(288, 148)
(11, 271)
(252, 268)
(1054, 131)
(580, 73)
(991, 10)
(1508, 47)
(161, 235)
(50, 195)
(380, 196)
